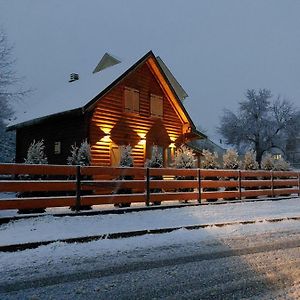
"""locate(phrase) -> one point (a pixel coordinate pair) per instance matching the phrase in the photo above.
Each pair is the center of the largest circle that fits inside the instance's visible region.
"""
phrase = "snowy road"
(257, 261)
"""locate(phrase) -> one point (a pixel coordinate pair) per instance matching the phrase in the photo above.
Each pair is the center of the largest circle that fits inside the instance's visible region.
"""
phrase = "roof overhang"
(73, 112)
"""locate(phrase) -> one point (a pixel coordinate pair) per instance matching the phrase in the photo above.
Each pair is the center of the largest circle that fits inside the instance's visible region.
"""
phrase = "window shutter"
(156, 105)
(131, 100)
(136, 101)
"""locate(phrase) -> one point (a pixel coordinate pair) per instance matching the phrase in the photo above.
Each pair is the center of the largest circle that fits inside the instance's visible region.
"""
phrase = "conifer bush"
(250, 163)
(267, 162)
(81, 156)
(35, 155)
(156, 161)
(282, 165)
(184, 159)
(231, 161)
(210, 161)
(126, 160)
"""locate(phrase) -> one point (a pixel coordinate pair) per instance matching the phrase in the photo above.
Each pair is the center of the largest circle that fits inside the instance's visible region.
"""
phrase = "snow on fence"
(42, 186)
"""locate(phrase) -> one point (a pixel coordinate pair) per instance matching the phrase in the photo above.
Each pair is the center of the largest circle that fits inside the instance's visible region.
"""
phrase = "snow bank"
(50, 227)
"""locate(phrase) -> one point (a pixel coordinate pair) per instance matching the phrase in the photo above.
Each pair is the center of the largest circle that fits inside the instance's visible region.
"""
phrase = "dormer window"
(131, 100)
(156, 106)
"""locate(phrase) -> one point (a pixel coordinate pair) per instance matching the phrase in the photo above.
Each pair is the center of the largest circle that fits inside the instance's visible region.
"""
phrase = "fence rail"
(42, 186)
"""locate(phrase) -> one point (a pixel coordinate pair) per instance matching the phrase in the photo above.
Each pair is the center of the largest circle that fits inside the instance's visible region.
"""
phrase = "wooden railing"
(42, 186)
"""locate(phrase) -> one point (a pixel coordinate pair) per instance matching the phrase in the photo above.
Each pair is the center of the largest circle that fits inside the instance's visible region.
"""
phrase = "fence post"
(240, 184)
(299, 184)
(199, 186)
(272, 183)
(78, 188)
(147, 187)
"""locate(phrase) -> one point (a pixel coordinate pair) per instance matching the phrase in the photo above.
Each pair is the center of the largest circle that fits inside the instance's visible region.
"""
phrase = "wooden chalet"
(140, 104)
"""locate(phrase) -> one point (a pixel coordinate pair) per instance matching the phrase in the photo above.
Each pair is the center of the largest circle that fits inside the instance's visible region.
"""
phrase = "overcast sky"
(216, 49)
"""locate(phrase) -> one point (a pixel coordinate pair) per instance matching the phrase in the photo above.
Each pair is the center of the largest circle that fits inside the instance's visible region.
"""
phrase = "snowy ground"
(161, 266)
(50, 227)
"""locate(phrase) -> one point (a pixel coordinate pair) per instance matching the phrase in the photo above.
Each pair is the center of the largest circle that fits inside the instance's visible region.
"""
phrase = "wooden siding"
(64, 129)
(110, 123)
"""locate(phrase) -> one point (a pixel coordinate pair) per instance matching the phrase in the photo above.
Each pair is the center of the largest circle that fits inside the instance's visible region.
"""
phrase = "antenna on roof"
(106, 61)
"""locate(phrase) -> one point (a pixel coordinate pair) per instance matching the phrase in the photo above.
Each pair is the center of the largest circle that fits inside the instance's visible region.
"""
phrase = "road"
(256, 265)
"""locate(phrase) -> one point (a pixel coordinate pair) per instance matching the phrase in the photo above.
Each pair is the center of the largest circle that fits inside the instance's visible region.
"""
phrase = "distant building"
(206, 144)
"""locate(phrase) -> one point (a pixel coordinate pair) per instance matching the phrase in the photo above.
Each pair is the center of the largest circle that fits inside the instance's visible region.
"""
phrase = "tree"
(249, 162)
(8, 93)
(80, 155)
(36, 153)
(261, 123)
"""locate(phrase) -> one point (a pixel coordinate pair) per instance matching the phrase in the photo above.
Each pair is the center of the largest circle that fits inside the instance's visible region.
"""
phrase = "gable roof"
(81, 95)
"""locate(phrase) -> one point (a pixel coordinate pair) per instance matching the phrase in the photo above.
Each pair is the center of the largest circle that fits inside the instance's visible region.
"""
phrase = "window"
(131, 100)
(57, 147)
(156, 106)
(277, 156)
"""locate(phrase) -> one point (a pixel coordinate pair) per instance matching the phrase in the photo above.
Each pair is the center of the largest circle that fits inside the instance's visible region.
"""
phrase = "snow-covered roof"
(75, 95)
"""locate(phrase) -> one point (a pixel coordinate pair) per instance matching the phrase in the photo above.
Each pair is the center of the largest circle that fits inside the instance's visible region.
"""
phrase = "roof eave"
(76, 111)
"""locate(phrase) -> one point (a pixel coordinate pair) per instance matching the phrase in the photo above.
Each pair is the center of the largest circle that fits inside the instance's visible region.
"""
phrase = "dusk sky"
(216, 49)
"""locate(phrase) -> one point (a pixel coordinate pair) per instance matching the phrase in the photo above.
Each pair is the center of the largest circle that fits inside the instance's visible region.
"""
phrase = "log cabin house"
(139, 103)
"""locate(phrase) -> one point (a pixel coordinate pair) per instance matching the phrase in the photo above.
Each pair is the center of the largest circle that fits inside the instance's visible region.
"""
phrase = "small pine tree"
(126, 158)
(36, 153)
(156, 160)
(84, 154)
(72, 159)
(184, 158)
(281, 165)
(231, 159)
(250, 162)
(125, 161)
(267, 162)
(210, 160)
(80, 155)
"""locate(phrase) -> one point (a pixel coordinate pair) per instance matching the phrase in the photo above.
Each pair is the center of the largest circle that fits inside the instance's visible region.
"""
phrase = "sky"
(216, 49)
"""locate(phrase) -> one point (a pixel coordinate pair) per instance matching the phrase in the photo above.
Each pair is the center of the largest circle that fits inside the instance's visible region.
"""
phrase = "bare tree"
(8, 94)
(260, 124)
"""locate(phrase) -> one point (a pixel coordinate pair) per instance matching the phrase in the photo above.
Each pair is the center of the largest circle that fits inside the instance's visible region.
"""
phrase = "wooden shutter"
(131, 100)
(156, 105)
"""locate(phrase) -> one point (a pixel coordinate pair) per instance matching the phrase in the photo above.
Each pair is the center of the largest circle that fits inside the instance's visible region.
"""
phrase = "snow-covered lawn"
(51, 228)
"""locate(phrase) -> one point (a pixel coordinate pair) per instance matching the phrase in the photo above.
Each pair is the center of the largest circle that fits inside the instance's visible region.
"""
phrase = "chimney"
(74, 77)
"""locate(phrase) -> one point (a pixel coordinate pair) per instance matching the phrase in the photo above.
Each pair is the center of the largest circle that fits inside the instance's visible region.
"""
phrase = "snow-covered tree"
(8, 93)
(126, 158)
(80, 155)
(184, 158)
(250, 162)
(125, 161)
(231, 159)
(260, 124)
(36, 153)
(267, 162)
(156, 160)
(210, 160)
(281, 165)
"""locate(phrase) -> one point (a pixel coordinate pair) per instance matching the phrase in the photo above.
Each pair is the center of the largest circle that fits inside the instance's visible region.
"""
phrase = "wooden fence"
(42, 186)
